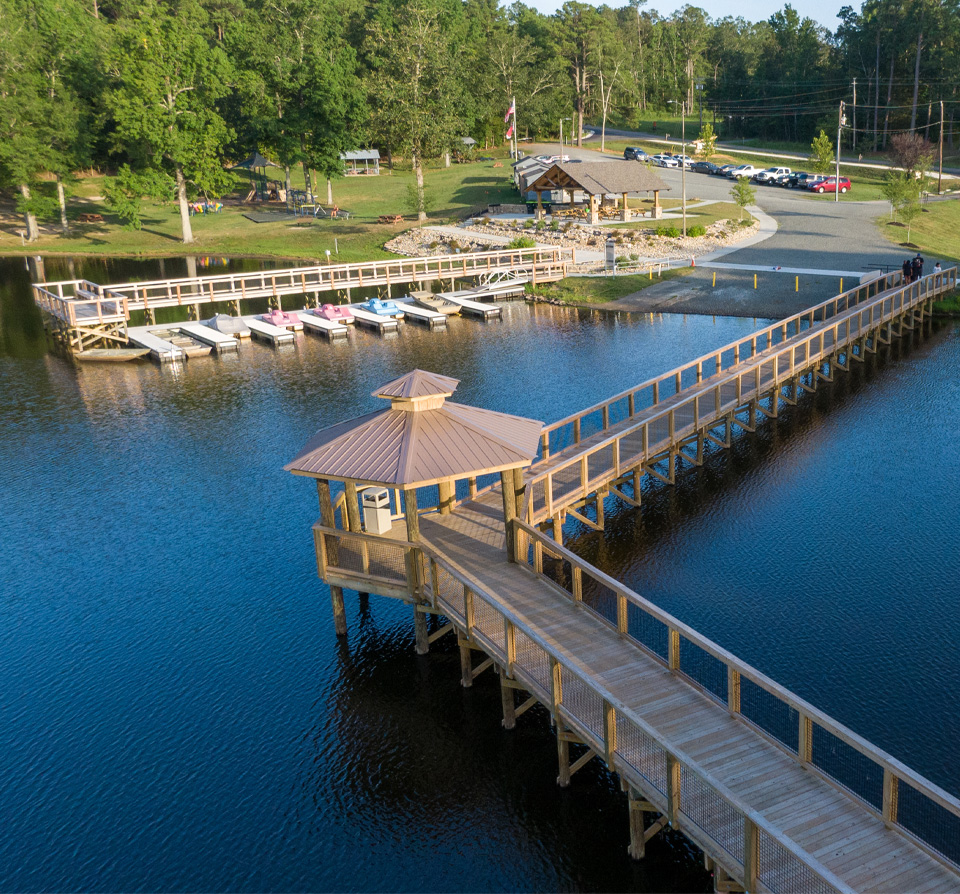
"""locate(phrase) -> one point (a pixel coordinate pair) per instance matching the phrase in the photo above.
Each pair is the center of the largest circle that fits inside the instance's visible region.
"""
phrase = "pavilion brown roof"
(598, 178)
(420, 439)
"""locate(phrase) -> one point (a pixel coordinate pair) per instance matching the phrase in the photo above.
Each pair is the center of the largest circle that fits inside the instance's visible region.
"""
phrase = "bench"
(391, 218)
(339, 214)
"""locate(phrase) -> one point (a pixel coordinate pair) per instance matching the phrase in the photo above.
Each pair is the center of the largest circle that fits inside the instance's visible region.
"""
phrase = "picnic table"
(390, 218)
(90, 217)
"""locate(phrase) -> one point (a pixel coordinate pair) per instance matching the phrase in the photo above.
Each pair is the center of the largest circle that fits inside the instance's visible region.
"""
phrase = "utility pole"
(840, 121)
(853, 138)
(940, 154)
(700, 95)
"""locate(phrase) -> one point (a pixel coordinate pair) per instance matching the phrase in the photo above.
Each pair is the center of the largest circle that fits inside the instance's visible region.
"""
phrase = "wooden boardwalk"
(778, 795)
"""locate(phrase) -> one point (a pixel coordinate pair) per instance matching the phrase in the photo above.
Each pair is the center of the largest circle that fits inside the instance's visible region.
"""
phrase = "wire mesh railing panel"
(533, 659)
(538, 486)
(450, 590)
(925, 818)
(849, 767)
(600, 598)
(344, 554)
(783, 872)
(648, 631)
(590, 424)
(600, 463)
(642, 753)
(560, 571)
(658, 432)
(583, 703)
(716, 816)
(705, 669)
(619, 410)
(386, 560)
(489, 622)
(566, 481)
(631, 447)
(773, 715)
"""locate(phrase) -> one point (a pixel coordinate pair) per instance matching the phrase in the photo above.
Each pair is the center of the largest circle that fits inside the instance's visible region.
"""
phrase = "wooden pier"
(85, 314)
(778, 796)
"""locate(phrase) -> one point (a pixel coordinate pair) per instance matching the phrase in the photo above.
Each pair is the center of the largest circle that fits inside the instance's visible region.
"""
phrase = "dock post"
(637, 478)
(329, 521)
(509, 510)
(447, 491)
(421, 634)
(508, 702)
(236, 307)
(412, 560)
(637, 848)
(353, 507)
(466, 662)
(563, 754)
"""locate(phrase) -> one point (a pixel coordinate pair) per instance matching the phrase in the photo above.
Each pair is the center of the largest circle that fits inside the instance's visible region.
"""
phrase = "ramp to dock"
(469, 305)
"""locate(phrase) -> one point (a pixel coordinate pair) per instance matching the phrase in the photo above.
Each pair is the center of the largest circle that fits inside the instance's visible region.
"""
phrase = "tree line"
(163, 92)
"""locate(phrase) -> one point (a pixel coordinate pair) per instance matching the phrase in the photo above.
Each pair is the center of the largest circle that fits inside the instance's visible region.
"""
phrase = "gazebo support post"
(329, 521)
(509, 511)
(353, 508)
(594, 214)
(412, 559)
(447, 490)
(539, 205)
(625, 215)
(656, 204)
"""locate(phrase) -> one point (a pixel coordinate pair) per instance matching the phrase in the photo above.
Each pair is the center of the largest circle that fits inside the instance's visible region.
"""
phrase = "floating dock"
(320, 326)
(209, 336)
(269, 333)
(430, 318)
(474, 308)
(379, 324)
(160, 349)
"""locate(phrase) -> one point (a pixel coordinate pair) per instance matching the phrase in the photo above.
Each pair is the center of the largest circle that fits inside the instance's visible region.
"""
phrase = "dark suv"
(635, 153)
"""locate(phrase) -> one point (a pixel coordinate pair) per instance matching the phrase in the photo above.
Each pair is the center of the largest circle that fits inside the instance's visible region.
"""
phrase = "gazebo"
(600, 178)
(369, 157)
(257, 165)
(420, 447)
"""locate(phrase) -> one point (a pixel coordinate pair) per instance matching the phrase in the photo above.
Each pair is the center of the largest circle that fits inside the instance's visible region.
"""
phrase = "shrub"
(528, 224)
(698, 230)
(522, 242)
(454, 245)
(434, 244)
(555, 225)
(541, 225)
(669, 232)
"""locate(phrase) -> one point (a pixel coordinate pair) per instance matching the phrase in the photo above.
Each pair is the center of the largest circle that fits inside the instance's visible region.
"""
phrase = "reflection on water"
(177, 713)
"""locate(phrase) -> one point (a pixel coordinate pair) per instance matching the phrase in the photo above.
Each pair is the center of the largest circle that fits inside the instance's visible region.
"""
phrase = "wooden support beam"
(353, 507)
(421, 633)
(584, 519)
(443, 631)
(507, 702)
(620, 495)
(329, 521)
(466, 663)
(446, 491)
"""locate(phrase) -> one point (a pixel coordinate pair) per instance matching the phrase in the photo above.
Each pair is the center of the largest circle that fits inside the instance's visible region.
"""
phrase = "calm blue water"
(176, 713)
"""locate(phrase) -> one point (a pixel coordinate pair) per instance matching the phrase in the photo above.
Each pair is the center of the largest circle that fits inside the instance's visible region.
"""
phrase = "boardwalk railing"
(363, 561)
(631, 446)
(692, 800)
(76, 303)
(891, 790)
(572, 429)
(536, 263)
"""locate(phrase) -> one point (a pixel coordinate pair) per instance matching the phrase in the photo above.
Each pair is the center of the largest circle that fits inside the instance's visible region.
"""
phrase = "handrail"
(574, 667)
(804, 709)
(809, 315)
(935, 283)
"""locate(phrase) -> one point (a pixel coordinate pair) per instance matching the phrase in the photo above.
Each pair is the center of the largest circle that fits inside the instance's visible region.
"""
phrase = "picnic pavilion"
(614, 179)
(370, 158)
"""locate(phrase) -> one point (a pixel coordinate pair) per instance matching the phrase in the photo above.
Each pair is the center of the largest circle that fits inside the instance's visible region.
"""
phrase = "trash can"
(376, 510)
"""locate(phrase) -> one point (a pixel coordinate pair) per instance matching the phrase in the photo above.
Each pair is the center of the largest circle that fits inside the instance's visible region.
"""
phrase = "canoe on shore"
(112, 355)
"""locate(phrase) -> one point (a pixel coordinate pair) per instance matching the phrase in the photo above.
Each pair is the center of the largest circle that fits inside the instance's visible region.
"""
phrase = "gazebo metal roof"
(420, 439)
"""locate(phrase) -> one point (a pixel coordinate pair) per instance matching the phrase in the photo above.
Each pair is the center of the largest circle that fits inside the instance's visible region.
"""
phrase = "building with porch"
(614, 180)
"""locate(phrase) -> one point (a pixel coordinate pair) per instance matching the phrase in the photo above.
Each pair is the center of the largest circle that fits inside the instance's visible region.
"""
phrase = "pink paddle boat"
(336, 314)
(282, 318)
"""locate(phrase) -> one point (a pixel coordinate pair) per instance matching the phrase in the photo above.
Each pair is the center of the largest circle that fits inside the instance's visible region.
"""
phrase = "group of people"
(913, 268)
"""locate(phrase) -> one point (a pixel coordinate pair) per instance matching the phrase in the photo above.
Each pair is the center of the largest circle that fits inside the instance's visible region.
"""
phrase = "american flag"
(511, 111)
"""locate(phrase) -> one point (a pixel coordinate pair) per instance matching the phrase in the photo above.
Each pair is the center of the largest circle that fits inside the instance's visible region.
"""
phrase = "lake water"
(176, 712)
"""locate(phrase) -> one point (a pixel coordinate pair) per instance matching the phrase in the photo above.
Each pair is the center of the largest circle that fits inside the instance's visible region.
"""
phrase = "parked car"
(799, 180)
(725, 169)
(685, 160)
(769, 176)
(742, 171)
(829, 184)
(635, 153)
(705, 167)
(665, 161)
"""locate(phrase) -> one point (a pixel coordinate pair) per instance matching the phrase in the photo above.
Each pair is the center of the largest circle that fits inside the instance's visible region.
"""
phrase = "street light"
(683, 159)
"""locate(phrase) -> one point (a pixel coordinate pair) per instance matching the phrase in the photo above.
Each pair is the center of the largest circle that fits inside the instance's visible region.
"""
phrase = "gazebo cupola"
(421, 449)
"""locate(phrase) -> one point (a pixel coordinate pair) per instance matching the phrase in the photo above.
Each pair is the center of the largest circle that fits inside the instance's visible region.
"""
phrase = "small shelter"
(422, 445)
(257, 165)
(606, 179)
(369, 157)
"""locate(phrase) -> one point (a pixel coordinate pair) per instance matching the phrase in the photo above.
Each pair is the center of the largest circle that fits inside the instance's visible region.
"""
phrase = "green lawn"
(451, 193)
(600, 289)
(936, 231)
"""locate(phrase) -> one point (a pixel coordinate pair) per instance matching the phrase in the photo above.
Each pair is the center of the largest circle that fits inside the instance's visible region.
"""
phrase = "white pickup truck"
(742, 171)
(771, 175)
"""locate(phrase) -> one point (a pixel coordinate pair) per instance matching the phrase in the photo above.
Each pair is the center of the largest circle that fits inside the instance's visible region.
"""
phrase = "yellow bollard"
(797, 286)
(754, 280)
(841, 284)
(714, 278)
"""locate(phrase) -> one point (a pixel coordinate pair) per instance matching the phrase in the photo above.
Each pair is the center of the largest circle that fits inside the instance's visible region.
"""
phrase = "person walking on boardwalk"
(907, 267)
(917, 267)
(937, 268)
